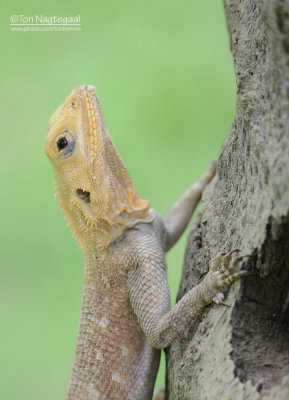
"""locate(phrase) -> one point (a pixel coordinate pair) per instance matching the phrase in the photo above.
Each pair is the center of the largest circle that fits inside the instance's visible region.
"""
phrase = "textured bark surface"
(242, 352)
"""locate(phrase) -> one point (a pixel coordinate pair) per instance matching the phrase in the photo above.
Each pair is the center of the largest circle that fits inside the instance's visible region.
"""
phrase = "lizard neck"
(94, 231)
(98, 270)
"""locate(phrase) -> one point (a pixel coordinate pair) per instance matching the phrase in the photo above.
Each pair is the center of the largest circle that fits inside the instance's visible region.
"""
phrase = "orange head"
(93, 185)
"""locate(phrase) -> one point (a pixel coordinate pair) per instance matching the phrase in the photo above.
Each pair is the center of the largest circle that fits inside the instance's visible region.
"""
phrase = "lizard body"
(126, 314)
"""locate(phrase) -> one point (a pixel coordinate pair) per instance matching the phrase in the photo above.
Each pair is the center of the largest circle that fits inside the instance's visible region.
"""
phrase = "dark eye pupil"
(62, 143)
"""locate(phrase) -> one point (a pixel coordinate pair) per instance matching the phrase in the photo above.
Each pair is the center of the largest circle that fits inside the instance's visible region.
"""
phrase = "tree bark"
(242, 351)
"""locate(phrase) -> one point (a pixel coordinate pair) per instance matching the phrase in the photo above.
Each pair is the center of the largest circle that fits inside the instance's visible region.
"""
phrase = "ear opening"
(83, 195)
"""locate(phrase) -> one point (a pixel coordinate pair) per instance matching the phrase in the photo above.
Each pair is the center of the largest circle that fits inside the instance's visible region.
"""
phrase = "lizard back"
(113, 359)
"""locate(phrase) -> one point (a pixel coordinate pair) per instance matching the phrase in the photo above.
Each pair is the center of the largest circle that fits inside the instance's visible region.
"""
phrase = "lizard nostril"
(83, 195)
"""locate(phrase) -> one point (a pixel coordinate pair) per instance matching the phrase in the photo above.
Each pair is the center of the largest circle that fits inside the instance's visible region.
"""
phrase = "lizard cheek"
(83, 195)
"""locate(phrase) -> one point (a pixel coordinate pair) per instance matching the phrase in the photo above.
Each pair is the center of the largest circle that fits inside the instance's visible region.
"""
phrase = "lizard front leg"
(150, 299)
(180, 214)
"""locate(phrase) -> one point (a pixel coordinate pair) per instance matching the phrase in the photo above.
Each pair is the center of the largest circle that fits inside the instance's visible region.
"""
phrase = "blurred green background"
(164, 74)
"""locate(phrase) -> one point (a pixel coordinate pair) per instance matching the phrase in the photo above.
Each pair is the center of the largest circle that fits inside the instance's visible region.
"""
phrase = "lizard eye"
(64, 144)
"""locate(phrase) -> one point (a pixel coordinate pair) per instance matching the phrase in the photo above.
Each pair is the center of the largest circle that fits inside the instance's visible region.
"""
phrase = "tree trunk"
(242, 351)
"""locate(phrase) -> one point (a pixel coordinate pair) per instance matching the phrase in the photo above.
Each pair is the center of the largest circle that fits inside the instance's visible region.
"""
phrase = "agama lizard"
(126, 315)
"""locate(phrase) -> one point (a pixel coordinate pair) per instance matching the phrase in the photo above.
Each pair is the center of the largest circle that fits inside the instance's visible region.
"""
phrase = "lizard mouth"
(83, 195)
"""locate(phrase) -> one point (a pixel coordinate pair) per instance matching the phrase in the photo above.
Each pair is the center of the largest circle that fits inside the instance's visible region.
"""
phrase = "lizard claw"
(218, 299)
(224, 271)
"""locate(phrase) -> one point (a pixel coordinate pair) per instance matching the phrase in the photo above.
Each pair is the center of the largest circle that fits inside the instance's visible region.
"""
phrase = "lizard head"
(93, 185)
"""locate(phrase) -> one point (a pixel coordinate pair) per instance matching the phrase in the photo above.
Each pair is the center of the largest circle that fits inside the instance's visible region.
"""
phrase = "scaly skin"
(126, 313)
